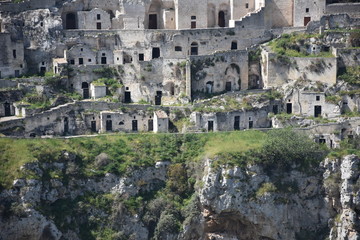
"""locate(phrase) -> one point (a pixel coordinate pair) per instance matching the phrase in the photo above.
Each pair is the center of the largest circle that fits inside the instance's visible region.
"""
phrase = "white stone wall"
(89, 19)
(81, 51)
(97, 91)
(308, 8)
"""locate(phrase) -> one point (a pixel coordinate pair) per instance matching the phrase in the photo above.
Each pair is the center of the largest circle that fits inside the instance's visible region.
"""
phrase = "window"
(43, 63)
(141, 57)
(234, 45)
(14, 53)
(81, 49)
(98, 25)
(193, 25)
(194, 49)
(317, 98)
(246, 5)
(193, 17)
(98, 16)
(81, 61)
(89, 60)
(108, 116)
(307, 10)
(103, 54)
(193, 21)
(178, 49)
(17, 73)
(72, 61)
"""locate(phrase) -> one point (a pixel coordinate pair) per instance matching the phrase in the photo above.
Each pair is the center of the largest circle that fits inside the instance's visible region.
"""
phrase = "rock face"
(237, 204)
(344, 196)
(233, 203)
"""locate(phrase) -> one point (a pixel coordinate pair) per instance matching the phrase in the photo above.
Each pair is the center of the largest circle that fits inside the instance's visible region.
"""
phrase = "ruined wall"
(304, 103)
(26, 5)
(352, 9)
(226, 121)
(277, 70)
(220, 72)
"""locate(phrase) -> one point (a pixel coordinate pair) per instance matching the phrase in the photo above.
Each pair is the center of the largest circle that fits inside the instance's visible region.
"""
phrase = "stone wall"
(220, 72)
(352, 9)
(313, 10)
(26, 5)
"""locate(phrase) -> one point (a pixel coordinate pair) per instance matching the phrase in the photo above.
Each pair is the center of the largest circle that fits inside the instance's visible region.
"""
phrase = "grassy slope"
(124, 150)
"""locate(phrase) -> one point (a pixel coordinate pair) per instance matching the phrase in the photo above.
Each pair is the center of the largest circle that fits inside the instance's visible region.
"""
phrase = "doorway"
(70, 21)
(237, 123)
(93, 126)
(158, 97)
(66, 125)
(306, 20)
(289, 108)
(150, 125)
(127, 97)
(7, 109)
(221, 19)
(194, 49)
(155, 52)
(103, 60)
(134, 125)
(108, 125)
(152, 21)
(317, 111)
(85, 88)
(210, 126)
(228, 86)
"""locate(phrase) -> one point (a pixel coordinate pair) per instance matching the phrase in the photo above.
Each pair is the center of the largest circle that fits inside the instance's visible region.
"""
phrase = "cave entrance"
(317, 111)
(70, 21)
(237, 123)
(209, 87)
(7, 109)
(210, 126)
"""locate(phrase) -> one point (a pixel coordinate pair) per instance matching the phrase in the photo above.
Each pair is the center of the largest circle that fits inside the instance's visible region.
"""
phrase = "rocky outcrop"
(250, 204)
(342, 184)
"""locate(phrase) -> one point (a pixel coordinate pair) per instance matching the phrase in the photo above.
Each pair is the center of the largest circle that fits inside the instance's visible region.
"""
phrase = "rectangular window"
(98, 25)
(72, 61)
(178, 49)
(246, 5)
(317, 98)
(141, 57)
(81, 61)
(307, 10)
(98, 17)
(193, 17)
(14, 53)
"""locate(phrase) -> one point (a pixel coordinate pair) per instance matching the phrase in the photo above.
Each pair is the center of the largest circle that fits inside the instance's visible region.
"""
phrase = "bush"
(285, 148)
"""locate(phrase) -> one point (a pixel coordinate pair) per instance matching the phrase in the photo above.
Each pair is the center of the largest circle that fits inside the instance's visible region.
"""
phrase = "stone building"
(12, 62)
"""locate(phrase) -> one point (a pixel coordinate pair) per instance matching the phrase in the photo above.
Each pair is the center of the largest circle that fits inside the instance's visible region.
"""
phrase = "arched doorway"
(70, 21)
(85, 88)
(221, 19)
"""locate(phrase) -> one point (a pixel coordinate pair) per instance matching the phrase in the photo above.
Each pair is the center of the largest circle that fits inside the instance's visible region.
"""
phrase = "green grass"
(233, 142)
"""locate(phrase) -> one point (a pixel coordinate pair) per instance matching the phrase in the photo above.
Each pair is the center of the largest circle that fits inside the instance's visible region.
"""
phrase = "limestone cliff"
(228, 203)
